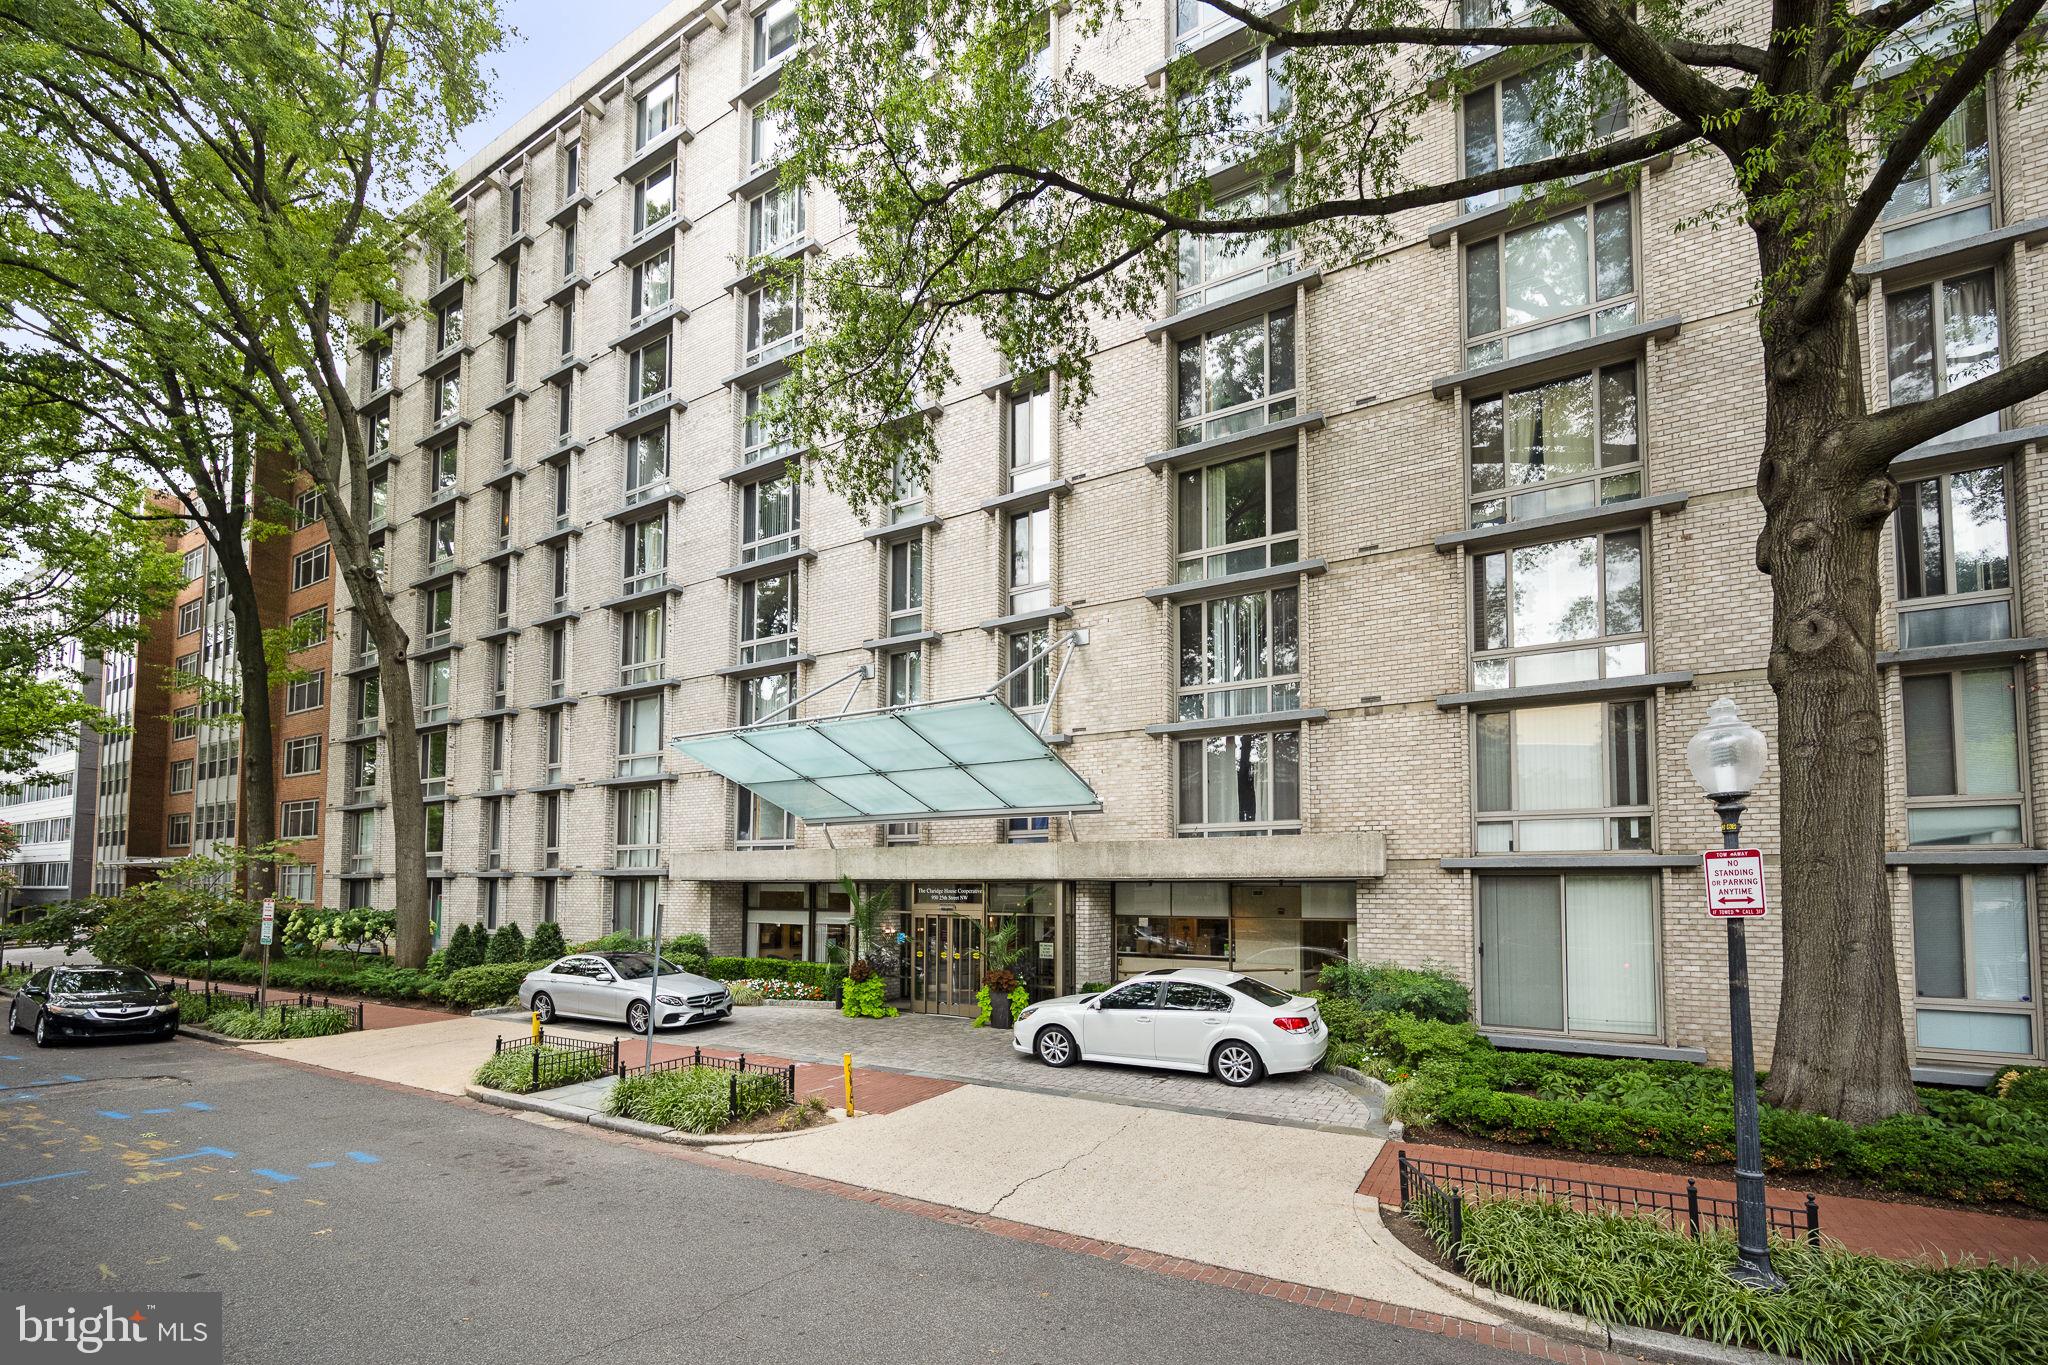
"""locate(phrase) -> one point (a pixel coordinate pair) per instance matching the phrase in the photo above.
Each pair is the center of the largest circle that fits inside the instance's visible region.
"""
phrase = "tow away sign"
(1735, 883)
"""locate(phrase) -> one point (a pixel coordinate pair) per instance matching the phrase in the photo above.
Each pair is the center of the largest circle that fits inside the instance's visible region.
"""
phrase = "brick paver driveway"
(936, 1045)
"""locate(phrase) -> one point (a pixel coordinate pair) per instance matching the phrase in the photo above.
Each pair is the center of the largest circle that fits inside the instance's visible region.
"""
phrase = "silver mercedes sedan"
(614, 987)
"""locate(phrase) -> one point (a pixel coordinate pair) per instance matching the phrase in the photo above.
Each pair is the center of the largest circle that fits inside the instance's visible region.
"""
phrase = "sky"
(555, 40)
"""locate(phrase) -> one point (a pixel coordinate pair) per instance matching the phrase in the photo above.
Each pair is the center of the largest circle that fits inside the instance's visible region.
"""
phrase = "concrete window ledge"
(1971, 1077)
(1568, 862)
(1594, 1047)
(1985, 650)
(1565, 691)
(1561, 524)
(1968, 857)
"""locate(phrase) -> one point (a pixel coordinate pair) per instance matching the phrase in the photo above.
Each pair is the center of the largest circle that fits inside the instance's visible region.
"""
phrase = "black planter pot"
(999, 1010)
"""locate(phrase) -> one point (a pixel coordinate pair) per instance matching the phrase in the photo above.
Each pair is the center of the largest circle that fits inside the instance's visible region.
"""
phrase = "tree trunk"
(1841, 1048)
(257, 823)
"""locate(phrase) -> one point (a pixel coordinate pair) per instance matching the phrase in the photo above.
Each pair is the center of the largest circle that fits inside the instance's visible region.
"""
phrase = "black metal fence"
(215, 994)
(560, 1059)
(739, 1066)
(1437, 1190)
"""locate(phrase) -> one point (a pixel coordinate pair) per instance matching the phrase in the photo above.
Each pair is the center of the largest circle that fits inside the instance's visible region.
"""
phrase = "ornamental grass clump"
(512, 1071)
(697, 1099)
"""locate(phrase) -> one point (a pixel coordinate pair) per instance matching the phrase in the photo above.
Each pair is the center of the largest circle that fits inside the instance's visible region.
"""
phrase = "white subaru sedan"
(1187, 1019)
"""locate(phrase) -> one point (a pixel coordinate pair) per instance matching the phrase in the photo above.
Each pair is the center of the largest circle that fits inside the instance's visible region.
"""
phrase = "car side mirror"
(1094, 1004)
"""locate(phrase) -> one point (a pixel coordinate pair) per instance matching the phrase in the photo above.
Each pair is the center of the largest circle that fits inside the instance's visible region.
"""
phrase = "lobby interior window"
(1236, 378)
(1973, 964)
(1030, 551)
(1560, 611)
(906, 586)
(768, 618)
(1947, 193)
(1575, 954)
(654, 112)
(1030, 433)
(1237, 516)
(760, 822)
(654, 200)
(640, 645)
(1501, 125)
(1955, 559)
(775, 318)
(653, 283)
(639, 753)
(1173, 919)
(771, 515)
(1941, 336)
(1240, 784)
(1215, 267)
(1552, 283)
(775, 218)
(1564, 445)
(646, 564)
(1563, 778)
(1963, 757)
(775, 32)
(1240, 655)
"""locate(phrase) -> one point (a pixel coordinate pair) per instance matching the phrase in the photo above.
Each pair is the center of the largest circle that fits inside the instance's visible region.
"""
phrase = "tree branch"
(1892, 431)
(1648, 62)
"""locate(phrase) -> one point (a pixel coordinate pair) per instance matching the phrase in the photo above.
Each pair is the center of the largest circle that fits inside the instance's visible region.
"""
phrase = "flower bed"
(770, 988)
(696, 1099)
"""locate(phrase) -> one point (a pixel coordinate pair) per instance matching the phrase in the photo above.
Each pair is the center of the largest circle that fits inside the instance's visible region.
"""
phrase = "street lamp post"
(1727, 758)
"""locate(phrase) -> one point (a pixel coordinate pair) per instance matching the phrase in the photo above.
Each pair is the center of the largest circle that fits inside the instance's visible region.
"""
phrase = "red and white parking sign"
(1735, 883)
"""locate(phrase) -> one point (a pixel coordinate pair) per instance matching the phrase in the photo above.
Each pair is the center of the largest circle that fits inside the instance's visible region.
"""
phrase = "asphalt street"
(348, 1222)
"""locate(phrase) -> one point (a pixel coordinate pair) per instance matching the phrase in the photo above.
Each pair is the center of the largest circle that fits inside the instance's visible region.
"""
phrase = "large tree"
(283, 158)
(989, 191)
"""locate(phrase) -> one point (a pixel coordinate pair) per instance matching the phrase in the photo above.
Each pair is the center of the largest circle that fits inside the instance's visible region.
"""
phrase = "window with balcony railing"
(768, 618)
(770, 518)
(1237, 516)
(640, 645)
(1561, 611)
(1240, 655)
(1564, 445)
(1236, 378)
(1551, 283)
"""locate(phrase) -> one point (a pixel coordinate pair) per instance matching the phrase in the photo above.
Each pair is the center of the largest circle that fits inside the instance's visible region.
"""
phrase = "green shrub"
(2024, 1087)
(546, 944)
(475, 988)
(695, 1099)
(1425, 992)
(752, 968)
(463, 948)
(394, 983)
(507, 945)
(1094, 987)
(745, 993)
(688, 962)
(277, 1023)
(1405, 1042)
(436, 964)
(512, 1071)
(334, 974)
(689, 945)
(867, 999)
(1343, 1017)
(615, 942)
(1837, 1306)
(193, 1006)
(1344, 1054)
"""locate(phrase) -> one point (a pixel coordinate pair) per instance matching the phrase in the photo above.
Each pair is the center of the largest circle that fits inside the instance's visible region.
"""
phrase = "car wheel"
(636, 1016)
(43, 1038)
(13, 1024)
(1235, 1063)
(544, 1006)
(1055, 1046)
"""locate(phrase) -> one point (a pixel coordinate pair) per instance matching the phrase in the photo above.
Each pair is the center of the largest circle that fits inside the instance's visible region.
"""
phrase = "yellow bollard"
(847, 1061)
(536, 1028)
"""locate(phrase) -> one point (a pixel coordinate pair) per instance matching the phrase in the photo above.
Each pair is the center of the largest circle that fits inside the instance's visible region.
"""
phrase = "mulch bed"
(772, 1122)
(1800, 1181)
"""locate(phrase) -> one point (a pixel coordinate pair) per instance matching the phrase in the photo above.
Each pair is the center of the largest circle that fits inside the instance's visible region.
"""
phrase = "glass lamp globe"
(1727, 755)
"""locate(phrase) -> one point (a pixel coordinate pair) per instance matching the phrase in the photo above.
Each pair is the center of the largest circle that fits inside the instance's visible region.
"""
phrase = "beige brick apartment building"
(1434, 601)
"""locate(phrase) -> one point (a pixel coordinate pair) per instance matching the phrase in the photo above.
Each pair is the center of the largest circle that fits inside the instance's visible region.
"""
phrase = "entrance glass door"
(946, 963)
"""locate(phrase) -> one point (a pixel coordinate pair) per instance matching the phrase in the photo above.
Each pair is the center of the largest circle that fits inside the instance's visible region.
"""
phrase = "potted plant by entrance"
(864, 993)
(996, 987)
(1000, 988)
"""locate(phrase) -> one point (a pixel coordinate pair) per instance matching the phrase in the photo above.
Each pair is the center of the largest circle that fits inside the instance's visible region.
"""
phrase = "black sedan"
(92, 1002)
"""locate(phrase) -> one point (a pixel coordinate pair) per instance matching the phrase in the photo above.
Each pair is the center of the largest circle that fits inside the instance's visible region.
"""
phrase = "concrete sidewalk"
(1267, 1200)
(440, 1055)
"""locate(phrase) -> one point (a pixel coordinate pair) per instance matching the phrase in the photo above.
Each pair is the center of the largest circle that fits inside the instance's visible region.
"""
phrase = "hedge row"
(465, 989)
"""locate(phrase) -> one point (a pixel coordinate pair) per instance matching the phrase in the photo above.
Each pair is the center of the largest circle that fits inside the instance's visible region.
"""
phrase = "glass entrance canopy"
(940, 761)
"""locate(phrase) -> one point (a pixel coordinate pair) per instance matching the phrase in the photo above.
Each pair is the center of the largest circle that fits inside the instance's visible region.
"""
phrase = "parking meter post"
(846, 1062)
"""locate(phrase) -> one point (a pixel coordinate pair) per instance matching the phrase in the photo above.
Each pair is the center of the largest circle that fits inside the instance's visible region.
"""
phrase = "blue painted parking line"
(196, 1104)
(363, 1158)
(187, 1156)
(159, 1111)
(33, 1179)
(320, 1165)
(279, 1176)
(114, 1114)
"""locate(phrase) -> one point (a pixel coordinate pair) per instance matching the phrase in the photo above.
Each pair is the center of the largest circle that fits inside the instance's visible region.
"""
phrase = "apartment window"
(508, 440)
(639, 752)
(1575, 954)
(637, 827)
(300, 882)
(1963, 757)
(904, 684)
(181, 775)
(646, 463)
(551, 744)
(764, 137)
(1571, 443)
(558, 661)
(302, 756)
(1941, 336)
(1562, 611)
(363, 771)
(770, 518)
(380, 499)
(906, 492)
(497, 745)
(364, 709)
(511, 373)
(195, 564)
(380, 368)
(448, 327)
(439, 533)
(565, 326)
(1240, 656)
(188, 615)
(377, 434)
(558, 577)
(434, 763)
(1215, 268)
(653, 283)
(760, 822)
(654, 113)
(550, 833)
(307, 693)
(768, 618)
(1563, 778)
(906, 586)
(309, 628)
(490, 893)
(1240, 784)
(774, 32)
(186, 670)
(1237, 516)
(1236, 378)
(1502, 125)
(504, 520)
(1973, 964)
(1259, 102)
(309, 567)
(1955, 559)
(437, 677)
(501, 674)
(634, 903)
(775, 319)
(448, 397)
(178, 832)
(1947, 194)
(565, 407)
(1029, 689)
(640, 645)
(298, 820)
(494, 853)
(1030, 432)
(654, 200)
(437, 616)
(512, 281)
(310, 508)
(1551, 283)
(436, 840)
(1030, 548)
(184, 720)
(216, 821)
(775, 218)
(568, 251)
(760, 438)
(646, 554)
(572, 170)
(647, 373)
(562, 494)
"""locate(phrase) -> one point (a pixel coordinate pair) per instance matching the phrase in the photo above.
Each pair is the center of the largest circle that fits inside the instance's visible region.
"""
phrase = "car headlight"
(1029, 1010)
(669, 999)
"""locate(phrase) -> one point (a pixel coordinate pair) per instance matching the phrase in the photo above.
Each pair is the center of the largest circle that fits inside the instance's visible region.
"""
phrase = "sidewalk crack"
(1104, 1141)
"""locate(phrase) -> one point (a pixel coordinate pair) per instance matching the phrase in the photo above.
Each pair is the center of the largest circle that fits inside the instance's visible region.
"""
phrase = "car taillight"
(1292, 1023)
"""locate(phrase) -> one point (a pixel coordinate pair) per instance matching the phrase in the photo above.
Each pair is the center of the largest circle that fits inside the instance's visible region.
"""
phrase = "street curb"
(207, 1035)
(1380, 1091)
(1556, 1322)
(634, 1127)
